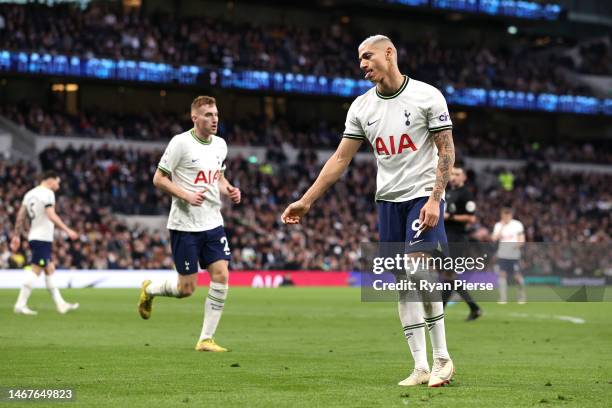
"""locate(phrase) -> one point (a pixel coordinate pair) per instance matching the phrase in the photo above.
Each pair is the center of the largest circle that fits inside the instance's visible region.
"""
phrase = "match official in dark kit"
(460, 211)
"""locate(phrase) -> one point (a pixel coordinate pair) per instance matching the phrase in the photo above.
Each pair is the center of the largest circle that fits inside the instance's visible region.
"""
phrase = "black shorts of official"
(457, 244)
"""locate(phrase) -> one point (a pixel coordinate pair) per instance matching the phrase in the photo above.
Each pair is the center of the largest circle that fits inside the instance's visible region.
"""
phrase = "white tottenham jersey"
(399, 127)
(195, 166)
(36, 202)
(509, 232)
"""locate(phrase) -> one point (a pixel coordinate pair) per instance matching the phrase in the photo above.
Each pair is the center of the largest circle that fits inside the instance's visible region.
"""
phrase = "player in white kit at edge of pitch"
(38, 206)
(510, 234)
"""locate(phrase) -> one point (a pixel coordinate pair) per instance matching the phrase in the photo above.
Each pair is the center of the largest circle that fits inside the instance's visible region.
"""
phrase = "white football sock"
(26, 289)
(434, 318)
(411, 316)
(168, 287)
(213, 308)
(502, 285)
(521, 292)
(53, 290)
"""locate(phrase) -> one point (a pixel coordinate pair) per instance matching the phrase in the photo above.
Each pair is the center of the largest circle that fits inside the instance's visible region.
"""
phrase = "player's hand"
(197, 198)
(15, 243)
(294, 213)
(429, 215)
(234, 194)
(72, 234)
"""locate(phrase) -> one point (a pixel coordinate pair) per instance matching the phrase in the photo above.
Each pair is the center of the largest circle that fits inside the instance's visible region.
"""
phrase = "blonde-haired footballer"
(191, 170)
(408, 125)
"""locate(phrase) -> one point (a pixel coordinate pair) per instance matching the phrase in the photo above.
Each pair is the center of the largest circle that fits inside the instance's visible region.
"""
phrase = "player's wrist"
(435, 198)
(306, 200)
(184, 195)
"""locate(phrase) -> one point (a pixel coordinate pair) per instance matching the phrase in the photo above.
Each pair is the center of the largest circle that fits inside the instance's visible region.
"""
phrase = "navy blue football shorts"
(399, 222)
(41, 253)
(192, 248)
(507, 265)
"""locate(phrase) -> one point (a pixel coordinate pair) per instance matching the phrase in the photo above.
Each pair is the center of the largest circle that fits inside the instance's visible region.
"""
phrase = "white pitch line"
(571, 319)
(576, 320)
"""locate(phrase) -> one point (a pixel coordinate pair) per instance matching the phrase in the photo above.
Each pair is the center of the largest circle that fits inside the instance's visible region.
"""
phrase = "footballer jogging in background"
(191, 170)
(38, 206)
(510, 234)
(408, 125)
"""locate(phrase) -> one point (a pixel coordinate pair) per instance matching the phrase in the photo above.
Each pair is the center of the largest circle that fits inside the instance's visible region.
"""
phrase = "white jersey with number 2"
(195, 166)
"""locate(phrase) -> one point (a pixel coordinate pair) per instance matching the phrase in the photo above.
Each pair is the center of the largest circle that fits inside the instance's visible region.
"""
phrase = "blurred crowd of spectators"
(591, 57)
(105, 30)
(474, 140)
(570, 212)
(99, 124)
(479, 140)
(554, 207)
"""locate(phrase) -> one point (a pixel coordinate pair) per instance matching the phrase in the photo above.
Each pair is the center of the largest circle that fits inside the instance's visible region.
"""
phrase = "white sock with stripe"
(411, 316)
(434, 318)
(26, 289)
(213, 308)
(502, 285)
(521, 292)
(53, 290)
(168, 287)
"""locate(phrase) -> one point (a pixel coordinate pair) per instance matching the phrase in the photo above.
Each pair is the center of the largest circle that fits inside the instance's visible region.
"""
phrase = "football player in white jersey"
(191, 170)
(38, 206)
(408, 125)
(510, 234)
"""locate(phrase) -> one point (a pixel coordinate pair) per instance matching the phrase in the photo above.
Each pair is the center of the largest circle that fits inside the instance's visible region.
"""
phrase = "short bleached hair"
(373, 39)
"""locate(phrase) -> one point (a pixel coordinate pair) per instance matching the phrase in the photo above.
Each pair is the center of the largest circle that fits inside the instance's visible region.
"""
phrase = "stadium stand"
(473, 139)
(102, 30)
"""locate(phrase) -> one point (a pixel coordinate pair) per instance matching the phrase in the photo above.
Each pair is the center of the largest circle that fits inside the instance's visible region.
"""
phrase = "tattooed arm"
(446, 160)
(430, 213)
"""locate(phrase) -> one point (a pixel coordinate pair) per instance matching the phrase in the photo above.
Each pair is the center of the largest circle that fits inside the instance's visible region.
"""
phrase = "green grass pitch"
(300, 347)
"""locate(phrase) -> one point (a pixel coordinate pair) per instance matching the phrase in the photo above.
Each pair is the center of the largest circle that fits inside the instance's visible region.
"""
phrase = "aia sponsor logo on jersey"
(207, 177)
(394, 145)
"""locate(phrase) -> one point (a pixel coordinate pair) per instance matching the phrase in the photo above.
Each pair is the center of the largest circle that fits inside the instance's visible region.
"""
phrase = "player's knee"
(183, 293)
(219, 277)
(428, 308)
(222, 279)
(186, 290)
